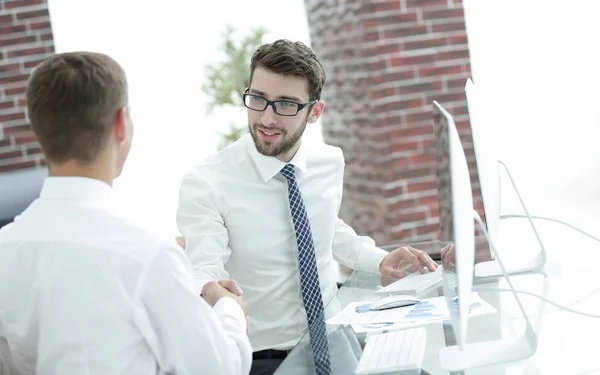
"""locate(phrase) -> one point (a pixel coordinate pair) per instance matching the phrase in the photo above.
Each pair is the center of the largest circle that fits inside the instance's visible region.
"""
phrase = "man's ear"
(120, 124)
(316, 111)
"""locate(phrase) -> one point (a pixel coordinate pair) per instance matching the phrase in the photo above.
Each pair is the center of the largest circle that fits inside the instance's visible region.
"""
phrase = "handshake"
(213, 291)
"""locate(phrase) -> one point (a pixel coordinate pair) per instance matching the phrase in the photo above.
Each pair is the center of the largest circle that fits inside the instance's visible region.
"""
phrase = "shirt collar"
(77, 189)
(269, 166)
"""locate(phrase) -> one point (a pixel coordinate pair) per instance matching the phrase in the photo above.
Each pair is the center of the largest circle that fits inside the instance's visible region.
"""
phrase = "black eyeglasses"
(281, 107)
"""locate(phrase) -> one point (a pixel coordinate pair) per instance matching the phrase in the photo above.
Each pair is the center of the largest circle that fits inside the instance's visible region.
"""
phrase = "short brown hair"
(72, 98)
(291, 58)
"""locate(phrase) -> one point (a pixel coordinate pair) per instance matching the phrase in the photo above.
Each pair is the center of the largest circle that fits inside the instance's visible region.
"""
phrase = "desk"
(567, 342)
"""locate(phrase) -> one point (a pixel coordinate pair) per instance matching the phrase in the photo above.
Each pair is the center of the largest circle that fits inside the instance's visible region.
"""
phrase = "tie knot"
(288, 172)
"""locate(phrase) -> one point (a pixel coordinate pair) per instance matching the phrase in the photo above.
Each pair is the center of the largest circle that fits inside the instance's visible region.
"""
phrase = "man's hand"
(404, 260)
(447, 256)
(213, 291)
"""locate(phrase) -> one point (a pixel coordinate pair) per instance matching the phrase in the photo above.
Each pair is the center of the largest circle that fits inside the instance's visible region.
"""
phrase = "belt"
(270, 354)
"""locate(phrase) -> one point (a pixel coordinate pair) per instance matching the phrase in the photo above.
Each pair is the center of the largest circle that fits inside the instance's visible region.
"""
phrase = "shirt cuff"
(227, 306)
(372, 257)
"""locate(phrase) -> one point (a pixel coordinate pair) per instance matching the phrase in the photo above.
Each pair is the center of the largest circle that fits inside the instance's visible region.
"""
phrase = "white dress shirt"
(84, 291)
(235, 217)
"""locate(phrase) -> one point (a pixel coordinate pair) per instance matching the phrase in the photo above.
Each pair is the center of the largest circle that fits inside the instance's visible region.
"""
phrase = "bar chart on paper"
(425, 310)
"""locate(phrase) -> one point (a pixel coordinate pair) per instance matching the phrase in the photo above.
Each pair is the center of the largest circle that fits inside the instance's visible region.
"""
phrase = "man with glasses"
(264, 212)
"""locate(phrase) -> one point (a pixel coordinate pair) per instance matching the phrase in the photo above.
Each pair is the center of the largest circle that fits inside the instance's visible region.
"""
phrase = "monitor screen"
(456, 220)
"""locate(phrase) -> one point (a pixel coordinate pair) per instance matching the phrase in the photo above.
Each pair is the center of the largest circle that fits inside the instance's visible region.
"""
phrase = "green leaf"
(226, 79)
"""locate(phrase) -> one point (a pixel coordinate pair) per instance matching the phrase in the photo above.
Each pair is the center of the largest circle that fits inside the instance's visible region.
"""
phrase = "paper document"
(363, 319)
(361, 313)
(427, 311)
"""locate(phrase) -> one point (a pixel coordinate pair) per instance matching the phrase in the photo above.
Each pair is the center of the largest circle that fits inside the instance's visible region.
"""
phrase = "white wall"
(163, 47)
(537, 63)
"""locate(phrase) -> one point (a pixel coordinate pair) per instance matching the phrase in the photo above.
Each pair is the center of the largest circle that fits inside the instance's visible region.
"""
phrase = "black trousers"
(266, 362)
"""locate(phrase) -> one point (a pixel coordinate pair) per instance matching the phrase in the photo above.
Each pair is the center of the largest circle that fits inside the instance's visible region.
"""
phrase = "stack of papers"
(365, 320)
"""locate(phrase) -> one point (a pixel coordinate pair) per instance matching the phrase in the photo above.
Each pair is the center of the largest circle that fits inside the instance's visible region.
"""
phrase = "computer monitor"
(486, 159)
(457, 228)
(488, 169)
(456, 219)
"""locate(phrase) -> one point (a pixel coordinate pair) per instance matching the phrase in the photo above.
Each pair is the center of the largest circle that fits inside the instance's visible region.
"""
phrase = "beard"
(282, 144)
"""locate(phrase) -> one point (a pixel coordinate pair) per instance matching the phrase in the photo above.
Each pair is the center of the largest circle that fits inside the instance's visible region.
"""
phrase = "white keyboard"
(393, 351)
(414, 283)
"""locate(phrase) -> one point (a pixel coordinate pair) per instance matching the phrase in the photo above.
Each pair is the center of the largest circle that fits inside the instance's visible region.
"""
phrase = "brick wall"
(386, 62)
(25, 40)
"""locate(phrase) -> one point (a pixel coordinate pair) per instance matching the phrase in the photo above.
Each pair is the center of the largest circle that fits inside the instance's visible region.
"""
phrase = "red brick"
(384, 50)
(6, 20)
(426, 3)
(40, 25)
(11, 154)
(402, 205)
(409, 61)
(399, 76)
(372, 36)
(419, 172)
(5, 142)
(400, 18)
(416, 130)
(33, 150)
(378, 94)
(10, 68)
(7, 104)
(428, 229)
(428, 200)
(22, 3)
(32, 63)
(405, 31)
(408, 218)
(46, 36)
(460, 81)
(416, 88)
(398, 105)
(423, 160)
(428, 142)
(386, 6)
(394, 121)
(14, 79)
(22, 127)
(17, 164)
(457, 40)
(425, 43)
(422, 115)
(17, 41)
(12, 117)
(20, 90)
(458, 54)
(32, 14)
(422, 186)
(436, 71)
(448, 97)
(27, 52)
(443, 14)
(377, 65)
(12, 29)
(25, 137)
(446, 27)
